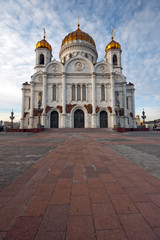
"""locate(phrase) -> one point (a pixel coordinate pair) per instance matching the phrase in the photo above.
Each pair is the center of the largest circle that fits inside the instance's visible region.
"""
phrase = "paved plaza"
(80, 184)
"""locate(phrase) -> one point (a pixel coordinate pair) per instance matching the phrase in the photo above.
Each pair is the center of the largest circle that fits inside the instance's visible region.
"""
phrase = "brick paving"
(80, 184)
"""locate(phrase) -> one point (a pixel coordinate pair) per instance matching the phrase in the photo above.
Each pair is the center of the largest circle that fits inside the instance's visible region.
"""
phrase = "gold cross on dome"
(112, 34)
(78, 25)
(44, 33)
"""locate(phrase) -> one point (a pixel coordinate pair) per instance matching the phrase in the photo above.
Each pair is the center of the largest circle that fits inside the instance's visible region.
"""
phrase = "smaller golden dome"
(43, 43)
(113, 44)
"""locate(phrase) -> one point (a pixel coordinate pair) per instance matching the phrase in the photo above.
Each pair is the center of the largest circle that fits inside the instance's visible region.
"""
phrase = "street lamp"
(39, 110)
(12, 117)
(143, 116)
(118, 112)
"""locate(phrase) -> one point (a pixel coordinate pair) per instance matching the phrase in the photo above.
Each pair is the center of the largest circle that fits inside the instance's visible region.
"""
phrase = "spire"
(44, 36)
(78, 25)
(112, 34)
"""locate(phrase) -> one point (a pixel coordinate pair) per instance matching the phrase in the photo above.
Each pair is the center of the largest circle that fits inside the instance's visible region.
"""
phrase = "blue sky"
(136, 25)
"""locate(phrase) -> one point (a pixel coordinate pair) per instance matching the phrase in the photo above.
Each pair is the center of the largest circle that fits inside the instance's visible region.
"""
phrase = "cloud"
(135, 28)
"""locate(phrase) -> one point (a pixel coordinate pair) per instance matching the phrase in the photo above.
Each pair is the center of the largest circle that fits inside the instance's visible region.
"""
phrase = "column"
(44, 99)
(64, 90)
(32, 105)
(105, 92)
(23, 106)
(113, 119)
(75, 92)
(125, 105)
(133, 109)
(93, 100)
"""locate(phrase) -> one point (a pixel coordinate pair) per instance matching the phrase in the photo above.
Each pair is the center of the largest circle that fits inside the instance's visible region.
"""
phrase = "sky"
(136, 26)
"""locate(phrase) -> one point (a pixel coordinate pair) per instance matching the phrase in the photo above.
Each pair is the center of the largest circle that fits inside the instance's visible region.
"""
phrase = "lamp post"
(39, 110)
(12, 117)
(118, 112)
(143, 116)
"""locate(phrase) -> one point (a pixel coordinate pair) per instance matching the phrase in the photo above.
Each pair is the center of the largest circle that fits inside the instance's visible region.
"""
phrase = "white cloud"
(135, 28)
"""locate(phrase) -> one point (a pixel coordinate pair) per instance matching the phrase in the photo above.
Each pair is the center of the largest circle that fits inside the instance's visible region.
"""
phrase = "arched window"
(64, 59)
(78, 92)
(83, 93)
(114, 59)
(86, 55)
(116, 97)
(70, 55)
(54, 92)
(102, 93)
(41, 59)
(73, 93)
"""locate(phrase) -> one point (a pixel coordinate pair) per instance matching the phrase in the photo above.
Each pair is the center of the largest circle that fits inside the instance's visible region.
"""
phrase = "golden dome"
(78, 35)
(43, 43)
(113, 44)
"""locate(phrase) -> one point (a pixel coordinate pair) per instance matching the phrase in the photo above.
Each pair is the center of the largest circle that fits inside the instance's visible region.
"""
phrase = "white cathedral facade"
(78, 91)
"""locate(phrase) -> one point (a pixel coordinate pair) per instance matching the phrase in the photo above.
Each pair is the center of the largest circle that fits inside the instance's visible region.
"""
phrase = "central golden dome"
(78, 35)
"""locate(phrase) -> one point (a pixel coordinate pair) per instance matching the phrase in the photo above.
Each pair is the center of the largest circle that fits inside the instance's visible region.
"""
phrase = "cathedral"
(77, 91)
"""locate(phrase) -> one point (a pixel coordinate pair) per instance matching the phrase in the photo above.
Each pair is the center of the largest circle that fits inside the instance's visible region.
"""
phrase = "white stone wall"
(78, 70)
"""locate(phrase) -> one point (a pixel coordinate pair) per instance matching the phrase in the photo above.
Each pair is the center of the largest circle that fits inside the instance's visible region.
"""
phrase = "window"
(54, 92)
(70, 55)
(83, 93)
(127, 100)
(78, 93)
(116, 97)
(114, 59)
(73, 92)
(29, 102)
(41, 59)
(102, 93)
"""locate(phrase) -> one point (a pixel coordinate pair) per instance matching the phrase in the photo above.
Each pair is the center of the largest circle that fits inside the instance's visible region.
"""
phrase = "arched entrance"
(103, 119)
(54, 119)
(79, 119)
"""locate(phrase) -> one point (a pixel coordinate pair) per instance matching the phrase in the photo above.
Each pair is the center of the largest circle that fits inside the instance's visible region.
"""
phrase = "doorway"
(103, 119)
(79, 119)
(54, 119)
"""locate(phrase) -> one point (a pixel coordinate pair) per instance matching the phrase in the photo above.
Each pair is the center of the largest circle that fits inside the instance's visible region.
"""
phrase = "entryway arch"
(79, 119)
(103, 119)
(54, 119)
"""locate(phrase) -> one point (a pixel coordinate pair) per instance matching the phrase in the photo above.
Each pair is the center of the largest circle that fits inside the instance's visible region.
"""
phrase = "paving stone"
(115, 234)
(80, 205)
(136, 227)
(95, 183)
(155, 198)
(113, 188)
(80, 228)
(36, 207)
(150, 212)
(156, 230)
(122, 204)
(50, 236)
(8, 215)
(136, 195)
(25, 228)
(98, 195)
(61, 196)
(79, 189)
(55, 218)
(105, 216)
